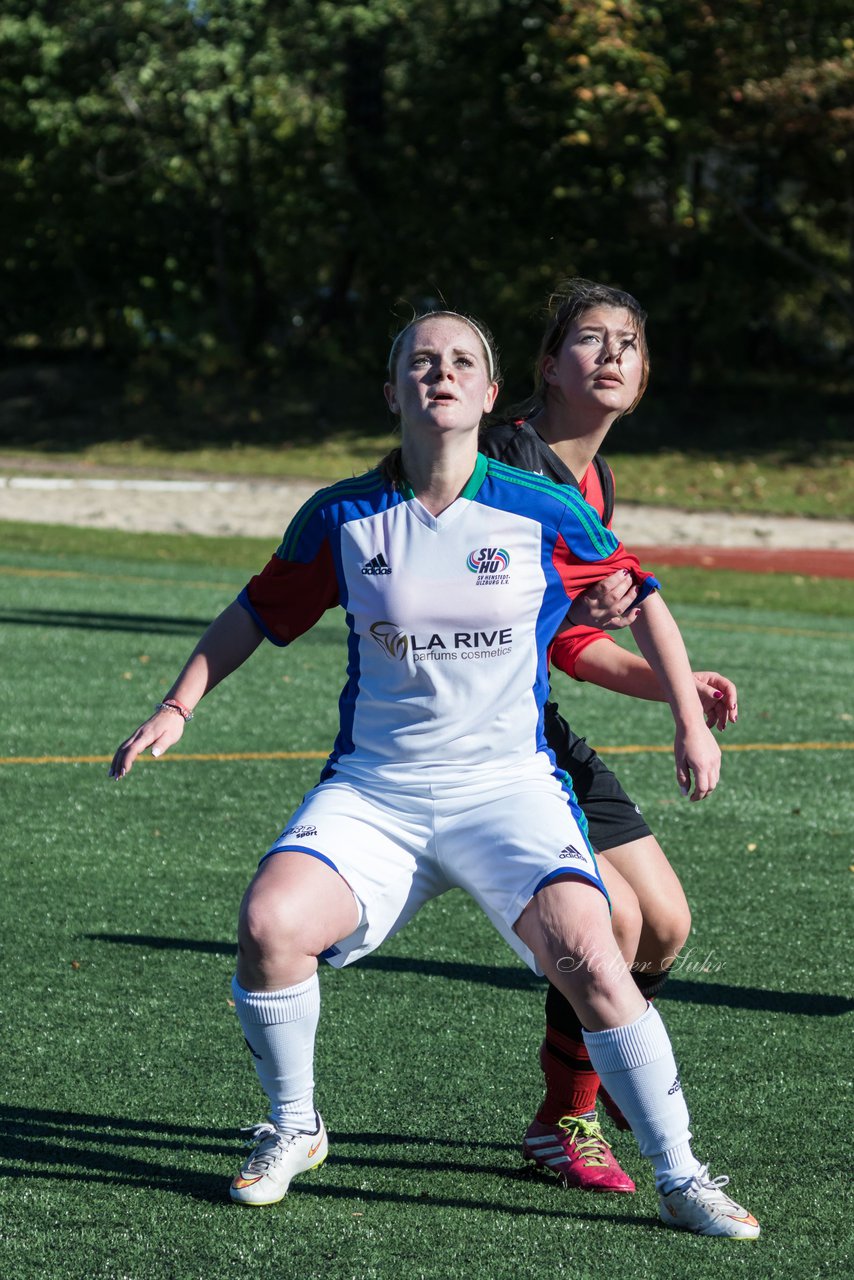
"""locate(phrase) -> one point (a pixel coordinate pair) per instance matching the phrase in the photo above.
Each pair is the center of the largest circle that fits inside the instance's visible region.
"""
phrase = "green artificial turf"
(124, 1070)
(229, 561)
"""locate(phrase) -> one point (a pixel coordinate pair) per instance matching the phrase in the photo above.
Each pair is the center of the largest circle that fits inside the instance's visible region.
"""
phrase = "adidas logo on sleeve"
(377, 565)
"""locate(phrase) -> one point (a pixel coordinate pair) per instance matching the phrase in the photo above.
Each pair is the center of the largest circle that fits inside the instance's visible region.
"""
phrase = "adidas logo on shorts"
(571, 852)
(379, 564)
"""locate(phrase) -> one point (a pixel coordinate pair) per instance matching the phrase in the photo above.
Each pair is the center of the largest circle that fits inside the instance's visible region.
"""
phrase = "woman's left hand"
(608, 605)
(698, 760)
(719, 698)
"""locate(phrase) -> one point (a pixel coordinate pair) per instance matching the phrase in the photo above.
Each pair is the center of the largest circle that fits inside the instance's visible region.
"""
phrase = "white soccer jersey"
(449, 616)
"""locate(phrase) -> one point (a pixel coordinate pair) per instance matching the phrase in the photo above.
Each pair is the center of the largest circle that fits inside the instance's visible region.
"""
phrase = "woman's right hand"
(160, 732)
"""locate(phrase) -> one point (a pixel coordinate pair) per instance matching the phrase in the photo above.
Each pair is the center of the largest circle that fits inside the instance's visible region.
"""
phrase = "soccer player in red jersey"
(591, 370)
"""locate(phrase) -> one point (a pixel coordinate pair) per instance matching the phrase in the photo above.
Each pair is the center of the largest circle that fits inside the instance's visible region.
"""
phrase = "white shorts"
(501, 839)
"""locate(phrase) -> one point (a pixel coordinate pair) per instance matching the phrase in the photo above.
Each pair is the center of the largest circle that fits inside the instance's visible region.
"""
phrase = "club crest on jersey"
(377, 565)
(390, 639)
(490, 564)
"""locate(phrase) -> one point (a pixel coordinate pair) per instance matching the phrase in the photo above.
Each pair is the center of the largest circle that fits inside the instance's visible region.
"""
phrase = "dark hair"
(391, 465)
(570, 300)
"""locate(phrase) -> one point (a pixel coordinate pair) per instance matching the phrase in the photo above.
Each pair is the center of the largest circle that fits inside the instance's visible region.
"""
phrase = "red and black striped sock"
(571, 1082)
(650, 984)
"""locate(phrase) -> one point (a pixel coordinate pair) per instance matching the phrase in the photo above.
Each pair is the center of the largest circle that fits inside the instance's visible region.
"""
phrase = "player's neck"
(438, 471)
(576, 440)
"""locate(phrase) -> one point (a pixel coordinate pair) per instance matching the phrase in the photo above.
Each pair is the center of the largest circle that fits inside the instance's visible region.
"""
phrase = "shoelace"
(591, 1145)
(269, 1140)
(713, 1188)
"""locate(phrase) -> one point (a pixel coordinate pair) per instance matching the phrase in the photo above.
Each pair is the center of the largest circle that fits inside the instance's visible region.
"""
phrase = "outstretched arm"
(606, 664)
(228, 642)
(698, 756)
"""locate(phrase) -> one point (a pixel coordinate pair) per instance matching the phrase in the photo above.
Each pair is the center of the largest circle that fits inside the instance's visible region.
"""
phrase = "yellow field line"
(216, 757)
(733, 746)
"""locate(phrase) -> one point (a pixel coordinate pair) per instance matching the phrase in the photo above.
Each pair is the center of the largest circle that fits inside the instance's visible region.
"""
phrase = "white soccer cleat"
(700, 1205)
(266, 1175)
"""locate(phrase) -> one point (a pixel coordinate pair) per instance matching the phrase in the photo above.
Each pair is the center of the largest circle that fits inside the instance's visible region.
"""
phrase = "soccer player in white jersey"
(454, 574)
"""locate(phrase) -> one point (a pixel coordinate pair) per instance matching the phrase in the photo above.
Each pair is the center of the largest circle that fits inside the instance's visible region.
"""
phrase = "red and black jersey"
(519, 445)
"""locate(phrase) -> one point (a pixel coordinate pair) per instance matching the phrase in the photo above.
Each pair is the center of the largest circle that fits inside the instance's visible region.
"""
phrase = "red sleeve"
(286, 598)
(578, 574)
(566, 648)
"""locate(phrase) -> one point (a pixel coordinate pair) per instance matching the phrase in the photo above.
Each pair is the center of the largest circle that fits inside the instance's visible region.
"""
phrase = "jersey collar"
(472, 485)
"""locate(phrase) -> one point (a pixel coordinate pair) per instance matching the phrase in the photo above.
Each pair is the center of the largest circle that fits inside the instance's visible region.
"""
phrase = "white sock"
(279, 1029)
(637, 1067)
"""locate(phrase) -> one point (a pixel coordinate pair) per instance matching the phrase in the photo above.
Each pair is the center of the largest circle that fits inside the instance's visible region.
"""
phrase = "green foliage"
(217, 186)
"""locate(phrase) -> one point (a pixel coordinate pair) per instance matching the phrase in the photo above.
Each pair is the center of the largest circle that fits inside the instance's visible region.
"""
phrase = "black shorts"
(612, 817)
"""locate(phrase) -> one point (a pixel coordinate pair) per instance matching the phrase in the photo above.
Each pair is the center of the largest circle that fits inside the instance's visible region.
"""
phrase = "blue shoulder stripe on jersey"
(356, 487)
(601, 539)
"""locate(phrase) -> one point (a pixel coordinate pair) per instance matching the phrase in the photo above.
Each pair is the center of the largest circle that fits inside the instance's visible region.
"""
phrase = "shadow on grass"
(491, 1206)
(166, 944)
(81, 1147)
(147, 623)
(507, 977)
(805, 1003)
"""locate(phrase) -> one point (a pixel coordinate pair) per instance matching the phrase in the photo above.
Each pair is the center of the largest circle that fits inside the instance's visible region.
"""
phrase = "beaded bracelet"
(172, 704)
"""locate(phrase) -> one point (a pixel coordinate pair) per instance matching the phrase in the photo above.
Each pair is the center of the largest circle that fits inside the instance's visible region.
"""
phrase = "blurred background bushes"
(216, 212)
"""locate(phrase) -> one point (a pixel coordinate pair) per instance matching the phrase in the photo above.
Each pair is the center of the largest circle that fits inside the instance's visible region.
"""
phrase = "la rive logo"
(490, 564)
(460, 646)
(390, 639)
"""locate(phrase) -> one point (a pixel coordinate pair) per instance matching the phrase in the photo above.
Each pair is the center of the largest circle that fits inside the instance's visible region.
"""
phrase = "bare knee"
(568, 928)
(665, 914)
(627, 924)
(270, 930)
(294, 909)
(665, 930)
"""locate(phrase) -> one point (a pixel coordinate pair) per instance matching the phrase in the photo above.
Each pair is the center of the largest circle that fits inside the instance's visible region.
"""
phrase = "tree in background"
(252, 183)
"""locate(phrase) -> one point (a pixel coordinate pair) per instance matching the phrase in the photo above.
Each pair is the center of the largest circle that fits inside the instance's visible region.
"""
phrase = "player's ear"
(489, 398)
(548, 369)
(391, 397)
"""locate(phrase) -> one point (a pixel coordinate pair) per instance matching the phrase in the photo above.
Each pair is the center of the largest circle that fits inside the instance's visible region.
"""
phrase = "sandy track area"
(260, 508)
